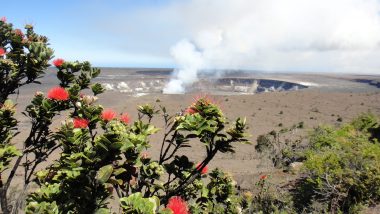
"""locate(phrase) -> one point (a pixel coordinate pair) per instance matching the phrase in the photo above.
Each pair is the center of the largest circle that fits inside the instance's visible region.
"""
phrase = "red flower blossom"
(58, 93)
(125, 118)
(204, 170)
(58, 62)
(177, 205)
(3, 19)
(190, 110)
(108, 115)
(2, 52)
(263, 177)
(206, 99)
(80, 123)
(18, 32)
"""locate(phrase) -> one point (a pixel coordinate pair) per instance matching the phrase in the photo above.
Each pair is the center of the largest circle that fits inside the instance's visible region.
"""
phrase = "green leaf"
(102, 211)
(119, 171)
(166, 211)
(126, 146)
(97, 88)
(104, 173)
(136, 204)
(151, 130)
(46, 104)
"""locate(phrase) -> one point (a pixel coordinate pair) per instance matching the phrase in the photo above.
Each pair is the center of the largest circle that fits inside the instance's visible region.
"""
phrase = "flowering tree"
(113, 160)
(23, 59)
(103, 153)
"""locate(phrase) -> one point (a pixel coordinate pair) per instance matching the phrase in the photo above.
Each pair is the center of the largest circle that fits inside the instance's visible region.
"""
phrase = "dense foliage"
(23, 59)
(113, 159)
(343, 165)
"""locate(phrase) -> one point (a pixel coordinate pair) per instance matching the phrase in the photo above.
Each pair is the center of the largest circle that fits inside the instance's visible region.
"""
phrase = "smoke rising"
(276, 35)
(189, 61)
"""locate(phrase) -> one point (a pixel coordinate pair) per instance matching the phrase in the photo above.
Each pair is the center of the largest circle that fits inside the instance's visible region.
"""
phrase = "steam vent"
(142, 82)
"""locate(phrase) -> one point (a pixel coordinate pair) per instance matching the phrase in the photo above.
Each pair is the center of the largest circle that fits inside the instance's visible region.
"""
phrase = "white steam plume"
(189, 61)
(276, 35)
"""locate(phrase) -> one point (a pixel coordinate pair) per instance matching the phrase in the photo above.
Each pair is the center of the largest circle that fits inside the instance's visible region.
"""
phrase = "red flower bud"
(263, 177)
(144, 155)
(133, 181)
(18, 32)
(206, 99)
(125, 118)
(190, 110)
(39, 93)
(204, 170)
(2, 52)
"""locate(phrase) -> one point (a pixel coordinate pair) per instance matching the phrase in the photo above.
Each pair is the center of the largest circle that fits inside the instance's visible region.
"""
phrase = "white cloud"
(283, 35)
(252, 31)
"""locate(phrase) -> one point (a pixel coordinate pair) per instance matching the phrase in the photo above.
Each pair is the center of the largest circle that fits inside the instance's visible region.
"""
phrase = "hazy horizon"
(243, 70)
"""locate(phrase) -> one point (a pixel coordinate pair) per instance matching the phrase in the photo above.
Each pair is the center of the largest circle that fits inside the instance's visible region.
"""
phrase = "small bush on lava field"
(270, 198)
(281, 150)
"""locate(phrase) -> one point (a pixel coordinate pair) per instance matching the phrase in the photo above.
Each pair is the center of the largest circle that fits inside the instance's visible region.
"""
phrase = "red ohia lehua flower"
(2, 52)
(204, 170)
(58, 62)
(263, 177)
(80, 123)
(3, 19)
(190, 110)
(125, 118)
(108, 115)
(58, 93)
(177, 205)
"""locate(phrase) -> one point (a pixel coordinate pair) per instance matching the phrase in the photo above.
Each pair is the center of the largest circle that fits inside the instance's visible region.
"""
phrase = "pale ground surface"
(313, 106)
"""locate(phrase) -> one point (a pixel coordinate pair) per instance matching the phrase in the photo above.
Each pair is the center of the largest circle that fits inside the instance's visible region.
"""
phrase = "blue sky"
(269, 35)
(92, 30)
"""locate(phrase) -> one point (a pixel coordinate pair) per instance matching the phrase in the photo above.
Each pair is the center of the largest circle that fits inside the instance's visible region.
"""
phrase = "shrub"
(218, 196)
(281, 150)
(23, 58)
(270, 198)
(341, 169)
(343, 166)
(114, 160)
(368, 122)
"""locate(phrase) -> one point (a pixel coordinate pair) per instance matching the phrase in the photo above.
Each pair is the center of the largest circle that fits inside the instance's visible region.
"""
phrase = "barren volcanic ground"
(266, 100)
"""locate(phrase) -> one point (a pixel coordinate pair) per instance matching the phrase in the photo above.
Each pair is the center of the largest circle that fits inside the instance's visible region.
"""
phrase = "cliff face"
(372, 82)
(252, 86)
(212, 86)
